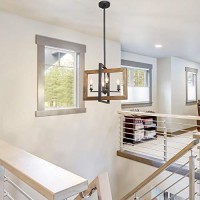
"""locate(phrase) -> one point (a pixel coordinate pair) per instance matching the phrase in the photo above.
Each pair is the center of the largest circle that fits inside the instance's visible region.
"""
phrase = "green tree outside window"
(60, 83)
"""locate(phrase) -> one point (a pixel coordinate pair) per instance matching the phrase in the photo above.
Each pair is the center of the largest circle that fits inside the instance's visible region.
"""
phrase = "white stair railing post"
(2, 173)
(136, 198)
(198, 159)
(165, 141)
(192, 177)
(121, 134)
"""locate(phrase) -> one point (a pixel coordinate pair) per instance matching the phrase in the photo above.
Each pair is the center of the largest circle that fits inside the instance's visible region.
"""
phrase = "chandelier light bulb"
(91, 81)
(107, 79)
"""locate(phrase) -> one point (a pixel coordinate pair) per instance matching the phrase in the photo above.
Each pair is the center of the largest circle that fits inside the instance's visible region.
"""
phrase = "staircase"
(170, 143)
(177, 156)
(51, 181)
(25, 176)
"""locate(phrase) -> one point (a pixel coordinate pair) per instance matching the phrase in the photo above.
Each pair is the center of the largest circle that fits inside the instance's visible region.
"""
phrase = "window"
(139, 84)
(60, 77)
(191, 85)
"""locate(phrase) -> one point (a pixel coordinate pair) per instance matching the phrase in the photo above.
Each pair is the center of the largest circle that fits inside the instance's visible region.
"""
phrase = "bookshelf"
(139, 129)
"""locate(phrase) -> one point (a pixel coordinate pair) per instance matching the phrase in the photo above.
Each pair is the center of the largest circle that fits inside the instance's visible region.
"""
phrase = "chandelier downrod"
(104, 5)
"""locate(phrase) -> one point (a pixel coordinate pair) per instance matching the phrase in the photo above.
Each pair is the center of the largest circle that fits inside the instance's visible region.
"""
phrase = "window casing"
(139, 84)
(60, 77)
(191, 85)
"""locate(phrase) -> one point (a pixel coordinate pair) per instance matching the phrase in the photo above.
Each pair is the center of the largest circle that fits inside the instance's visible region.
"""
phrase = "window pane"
(191, 86)
(60, 80)
(67, 60)
(51, 56)
(59, 57)
(139, 78)
(138, 94)
(138, 85)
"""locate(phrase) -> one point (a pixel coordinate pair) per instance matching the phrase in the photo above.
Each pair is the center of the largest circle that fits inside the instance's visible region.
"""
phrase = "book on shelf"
(138, 135)
(149, 134)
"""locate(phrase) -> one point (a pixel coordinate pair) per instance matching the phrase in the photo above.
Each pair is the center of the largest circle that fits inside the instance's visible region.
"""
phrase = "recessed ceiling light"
(158, 46)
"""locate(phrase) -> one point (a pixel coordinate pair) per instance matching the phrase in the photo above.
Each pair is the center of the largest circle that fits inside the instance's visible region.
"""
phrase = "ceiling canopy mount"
(104, 4)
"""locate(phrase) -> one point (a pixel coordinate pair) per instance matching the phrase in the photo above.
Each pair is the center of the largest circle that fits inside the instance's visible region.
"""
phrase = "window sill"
(191, 103)
(133, 105)
(44, 113)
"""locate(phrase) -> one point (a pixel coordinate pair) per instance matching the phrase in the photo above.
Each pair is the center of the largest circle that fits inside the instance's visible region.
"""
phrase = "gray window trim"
(80, 49)
(44, 113)
(143, 66)
(136, 64)
(188, 69)
(135, 105)
(47, 41)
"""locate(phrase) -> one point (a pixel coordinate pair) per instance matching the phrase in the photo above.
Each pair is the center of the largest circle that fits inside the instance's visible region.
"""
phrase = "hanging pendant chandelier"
(104, 91)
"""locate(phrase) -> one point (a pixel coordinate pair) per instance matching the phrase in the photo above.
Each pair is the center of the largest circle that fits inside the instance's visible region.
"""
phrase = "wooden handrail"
(161, 169)
(188, 117)
(49, 180)
(196, 136)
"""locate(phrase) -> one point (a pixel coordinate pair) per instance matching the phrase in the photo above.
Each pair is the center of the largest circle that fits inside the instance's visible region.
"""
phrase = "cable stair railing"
(185, 186)
(25, 176)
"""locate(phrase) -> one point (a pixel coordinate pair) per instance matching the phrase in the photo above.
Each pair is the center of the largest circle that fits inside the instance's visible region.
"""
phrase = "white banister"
(49, 180)
(187, 117)
(192, 177)
(165, 142)
(2, 173)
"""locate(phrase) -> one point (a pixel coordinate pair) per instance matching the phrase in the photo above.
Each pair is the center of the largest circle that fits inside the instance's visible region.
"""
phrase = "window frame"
(140, 65)
(80, 49)
(195, 71)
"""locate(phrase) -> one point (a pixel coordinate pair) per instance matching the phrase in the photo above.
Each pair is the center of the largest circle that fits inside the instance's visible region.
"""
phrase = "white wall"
(178, 78)
(172, 86)
(148, 60)
(86, 143)
(164, 85)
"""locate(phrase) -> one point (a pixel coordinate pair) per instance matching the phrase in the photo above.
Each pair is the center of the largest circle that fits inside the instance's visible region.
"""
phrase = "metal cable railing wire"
(171, 185)
(6, 179)
(171, 138)
(174, 195)
(6, 194)
(165, 179)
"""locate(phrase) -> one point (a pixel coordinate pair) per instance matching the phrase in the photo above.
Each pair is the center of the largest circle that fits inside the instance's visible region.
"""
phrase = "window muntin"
(60, 77)
(139, 83)
(191, 85)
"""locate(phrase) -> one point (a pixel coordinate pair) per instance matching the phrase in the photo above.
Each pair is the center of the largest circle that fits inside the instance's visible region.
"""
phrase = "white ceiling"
(137, 24)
